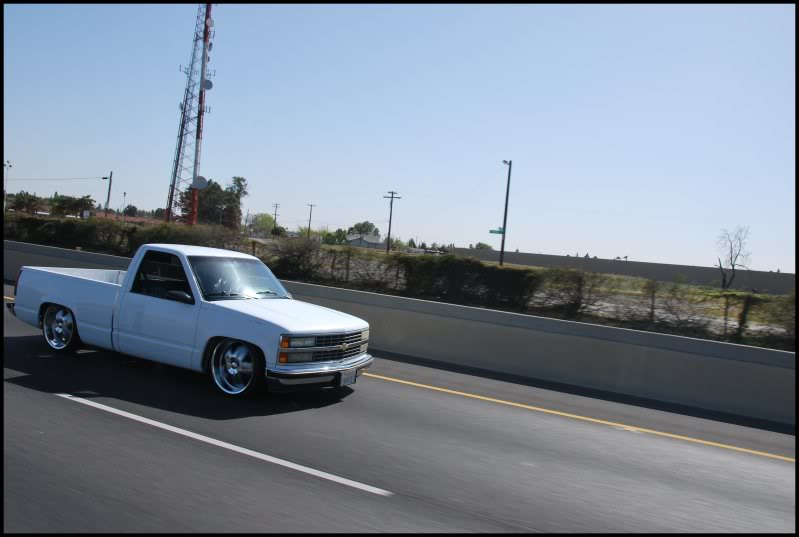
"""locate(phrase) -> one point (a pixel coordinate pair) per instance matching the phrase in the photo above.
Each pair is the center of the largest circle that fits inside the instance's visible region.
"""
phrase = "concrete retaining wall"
(746, 280)
(746, 381)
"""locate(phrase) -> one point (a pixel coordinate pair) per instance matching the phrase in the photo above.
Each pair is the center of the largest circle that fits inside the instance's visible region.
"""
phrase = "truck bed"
(98, 275)
(89, 293)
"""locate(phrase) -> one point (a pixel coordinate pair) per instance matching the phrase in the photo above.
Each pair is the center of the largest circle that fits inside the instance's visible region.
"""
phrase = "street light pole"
(7, 166)
(311, 205)
(390, 215)
(505, 219)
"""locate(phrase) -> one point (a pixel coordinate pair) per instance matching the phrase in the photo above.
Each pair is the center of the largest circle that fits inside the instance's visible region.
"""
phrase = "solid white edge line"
(231, 447)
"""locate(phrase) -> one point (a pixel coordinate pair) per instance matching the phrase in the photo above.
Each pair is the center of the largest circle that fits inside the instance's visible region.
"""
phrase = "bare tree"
(733, 253)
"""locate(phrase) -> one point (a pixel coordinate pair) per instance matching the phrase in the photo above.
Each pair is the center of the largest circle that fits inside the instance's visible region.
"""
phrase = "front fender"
(215, 323)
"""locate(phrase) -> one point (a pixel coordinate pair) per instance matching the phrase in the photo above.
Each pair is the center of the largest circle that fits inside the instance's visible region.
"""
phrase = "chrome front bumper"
(319, 374)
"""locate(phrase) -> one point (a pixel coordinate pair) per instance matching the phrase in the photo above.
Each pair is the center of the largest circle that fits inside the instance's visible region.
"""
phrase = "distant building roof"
(374, 239)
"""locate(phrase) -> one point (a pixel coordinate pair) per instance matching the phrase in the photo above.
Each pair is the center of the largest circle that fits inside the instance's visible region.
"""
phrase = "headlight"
(303, 341)
(365, 335)
(293, 342)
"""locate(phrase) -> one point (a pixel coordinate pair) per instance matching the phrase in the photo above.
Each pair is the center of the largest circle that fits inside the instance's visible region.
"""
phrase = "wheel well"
(212, 343)
(42, 309)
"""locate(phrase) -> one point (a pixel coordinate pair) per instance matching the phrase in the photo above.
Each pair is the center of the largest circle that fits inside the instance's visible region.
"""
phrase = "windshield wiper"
(270, 293)
(221, 293)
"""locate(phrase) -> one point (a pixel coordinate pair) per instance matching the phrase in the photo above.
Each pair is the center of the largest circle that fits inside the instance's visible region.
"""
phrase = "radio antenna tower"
(186, 167)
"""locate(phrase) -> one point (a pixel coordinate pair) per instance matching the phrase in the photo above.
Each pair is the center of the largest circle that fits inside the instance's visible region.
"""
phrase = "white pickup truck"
(214, 311)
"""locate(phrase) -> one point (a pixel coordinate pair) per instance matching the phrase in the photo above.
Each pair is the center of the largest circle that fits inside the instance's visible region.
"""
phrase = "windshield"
(223, 278)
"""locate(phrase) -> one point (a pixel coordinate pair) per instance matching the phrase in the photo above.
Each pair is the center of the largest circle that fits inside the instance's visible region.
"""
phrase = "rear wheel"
(237, 368)
(60, 329)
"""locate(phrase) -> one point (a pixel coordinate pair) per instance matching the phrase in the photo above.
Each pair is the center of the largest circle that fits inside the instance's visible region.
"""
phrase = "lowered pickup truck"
(214, 311)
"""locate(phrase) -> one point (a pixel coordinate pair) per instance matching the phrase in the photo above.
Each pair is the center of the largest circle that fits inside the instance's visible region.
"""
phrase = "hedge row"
(555, 292)
(673, 308)
(111, 237)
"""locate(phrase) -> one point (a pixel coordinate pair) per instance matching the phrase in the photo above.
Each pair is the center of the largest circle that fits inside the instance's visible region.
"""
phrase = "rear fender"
(54, 299)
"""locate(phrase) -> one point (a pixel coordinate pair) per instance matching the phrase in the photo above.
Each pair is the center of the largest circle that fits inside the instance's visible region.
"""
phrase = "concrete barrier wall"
(740, 380)
(746, 280)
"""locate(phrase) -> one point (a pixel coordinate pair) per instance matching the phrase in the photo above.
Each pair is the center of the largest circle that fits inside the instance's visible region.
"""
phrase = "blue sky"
(633, 130)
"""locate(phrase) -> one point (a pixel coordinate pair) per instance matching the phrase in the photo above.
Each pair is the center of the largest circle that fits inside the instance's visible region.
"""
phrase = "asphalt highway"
(101, 441)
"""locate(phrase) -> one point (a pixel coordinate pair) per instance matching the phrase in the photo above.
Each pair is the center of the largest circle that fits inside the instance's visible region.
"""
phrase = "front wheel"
(60, 329)
(237, 368)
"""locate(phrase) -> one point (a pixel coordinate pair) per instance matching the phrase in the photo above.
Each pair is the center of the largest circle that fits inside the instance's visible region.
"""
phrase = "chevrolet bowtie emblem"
(343, 347)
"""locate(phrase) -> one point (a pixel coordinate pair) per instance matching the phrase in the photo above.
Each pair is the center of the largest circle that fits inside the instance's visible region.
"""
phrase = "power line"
(59, 179)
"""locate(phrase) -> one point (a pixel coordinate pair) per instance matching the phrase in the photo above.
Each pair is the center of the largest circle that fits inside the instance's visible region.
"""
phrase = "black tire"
(236, 368)
(60, 329)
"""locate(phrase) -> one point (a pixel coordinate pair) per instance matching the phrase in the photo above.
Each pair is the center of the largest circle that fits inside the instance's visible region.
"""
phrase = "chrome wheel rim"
(233, 366)
(59, 326)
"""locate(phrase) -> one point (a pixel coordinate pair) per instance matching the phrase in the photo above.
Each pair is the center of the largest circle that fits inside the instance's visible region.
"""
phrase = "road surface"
(101, 441)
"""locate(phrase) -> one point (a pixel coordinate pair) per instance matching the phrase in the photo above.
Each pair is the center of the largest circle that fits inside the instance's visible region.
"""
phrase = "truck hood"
(294, 316)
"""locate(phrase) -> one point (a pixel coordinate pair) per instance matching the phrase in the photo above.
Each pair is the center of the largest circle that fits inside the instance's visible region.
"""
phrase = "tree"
(337, 237)
(158, 214)
(237, 191)
(483, 246)
(70, 205)
(262, 224)
(411, 243)
(279, 231)
(216, 206)
(302, 231)
(130, 210)
(733, 253)
(363, 228)
(25, 202)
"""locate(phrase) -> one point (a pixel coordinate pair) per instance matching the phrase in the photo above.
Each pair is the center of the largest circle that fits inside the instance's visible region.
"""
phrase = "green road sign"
(499, 231)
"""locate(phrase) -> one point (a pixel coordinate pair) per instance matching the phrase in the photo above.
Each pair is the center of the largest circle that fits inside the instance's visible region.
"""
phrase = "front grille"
(336, 354)
(331, 340)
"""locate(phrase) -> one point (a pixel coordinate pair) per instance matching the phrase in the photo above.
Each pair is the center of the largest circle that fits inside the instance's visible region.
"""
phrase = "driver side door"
(153, 325)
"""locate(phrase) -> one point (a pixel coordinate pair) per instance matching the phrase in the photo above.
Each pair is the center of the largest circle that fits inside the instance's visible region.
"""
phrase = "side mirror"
(180, 296)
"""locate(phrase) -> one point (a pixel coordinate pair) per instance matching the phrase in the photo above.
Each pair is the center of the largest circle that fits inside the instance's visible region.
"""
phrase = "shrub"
(509, 287)
(296, 259)
(565, 290)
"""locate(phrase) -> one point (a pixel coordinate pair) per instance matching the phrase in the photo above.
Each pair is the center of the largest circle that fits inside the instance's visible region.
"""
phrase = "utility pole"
(108, 198)
(390, 215)
(124, 195)
(7, 166)
(275, 205)
(505, 220)
(311, 205)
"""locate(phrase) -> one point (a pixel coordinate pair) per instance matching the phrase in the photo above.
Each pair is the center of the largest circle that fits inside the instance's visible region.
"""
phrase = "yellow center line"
(582, 418)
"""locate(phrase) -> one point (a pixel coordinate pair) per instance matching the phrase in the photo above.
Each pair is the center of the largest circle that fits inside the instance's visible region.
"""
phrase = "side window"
(158, 274)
